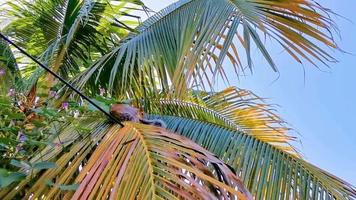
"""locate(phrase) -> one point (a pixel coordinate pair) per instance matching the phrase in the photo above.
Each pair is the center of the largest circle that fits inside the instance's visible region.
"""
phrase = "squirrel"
(124, 112)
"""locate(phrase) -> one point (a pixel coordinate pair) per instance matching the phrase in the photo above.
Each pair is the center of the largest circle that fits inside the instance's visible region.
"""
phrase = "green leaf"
(103, 105)
(16, 116)
(7, 178)
(46, 112)
(63, 187)
(44, 165)
(5, 101)
(72, 187)
(107, 101)
(39, 123)
(3, 146)
(9, 129)
(20, 164)
(38, 143)
(4, 140)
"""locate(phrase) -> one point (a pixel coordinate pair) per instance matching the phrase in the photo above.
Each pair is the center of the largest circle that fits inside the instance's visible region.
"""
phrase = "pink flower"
(11, 93)
(52, 94)
(102, 91)
(19, 148)
(65, 106)
(22, 137)
(2, 72)
(76, 114)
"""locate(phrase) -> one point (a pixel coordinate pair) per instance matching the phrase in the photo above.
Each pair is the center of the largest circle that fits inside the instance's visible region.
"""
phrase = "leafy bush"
(27, 125)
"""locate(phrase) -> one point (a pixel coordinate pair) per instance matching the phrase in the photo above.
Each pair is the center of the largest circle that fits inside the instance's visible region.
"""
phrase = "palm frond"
(186, 43)
(8, 62)
(10, 75)
(137, 161)
(233, 108)
(67, 35)
(152, 163)
(268, 172)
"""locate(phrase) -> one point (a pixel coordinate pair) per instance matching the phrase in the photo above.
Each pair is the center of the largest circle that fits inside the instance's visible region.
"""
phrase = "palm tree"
(229, 144)
(67, 35)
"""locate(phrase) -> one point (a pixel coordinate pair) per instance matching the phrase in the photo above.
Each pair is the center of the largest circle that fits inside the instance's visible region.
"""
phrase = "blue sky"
(321, 104)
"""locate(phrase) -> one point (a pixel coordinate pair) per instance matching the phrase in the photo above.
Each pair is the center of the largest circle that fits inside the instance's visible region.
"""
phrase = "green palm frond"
(136, 161)
(10, 72)
(185, 44)
(7, 59)
(232, 108)
(221, 137)
(68, 35)
(268, 173)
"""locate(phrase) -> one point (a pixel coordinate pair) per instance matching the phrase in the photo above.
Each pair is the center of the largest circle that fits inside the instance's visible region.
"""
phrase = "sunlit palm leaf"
(232, 108)
(186, 43)
(269, 173)
(138, 161)
(145, 162)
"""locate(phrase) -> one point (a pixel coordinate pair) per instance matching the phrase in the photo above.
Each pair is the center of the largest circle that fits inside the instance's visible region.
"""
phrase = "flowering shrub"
(26, 126)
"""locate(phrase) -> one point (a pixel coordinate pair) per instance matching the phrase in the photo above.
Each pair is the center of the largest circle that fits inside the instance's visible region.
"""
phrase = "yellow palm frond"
(234, 108)
(136, 161)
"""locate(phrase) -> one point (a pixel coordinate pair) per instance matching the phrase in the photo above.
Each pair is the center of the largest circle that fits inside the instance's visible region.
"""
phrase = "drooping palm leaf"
(186, 43)
(232, 108)
(145, 162)
(138, 161)
(269, 173)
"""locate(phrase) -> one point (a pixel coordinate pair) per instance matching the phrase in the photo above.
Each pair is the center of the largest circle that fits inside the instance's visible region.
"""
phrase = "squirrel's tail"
(154, 122)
